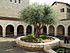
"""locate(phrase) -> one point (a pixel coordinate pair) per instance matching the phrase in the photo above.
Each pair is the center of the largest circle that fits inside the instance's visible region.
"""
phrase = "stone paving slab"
(8, 45)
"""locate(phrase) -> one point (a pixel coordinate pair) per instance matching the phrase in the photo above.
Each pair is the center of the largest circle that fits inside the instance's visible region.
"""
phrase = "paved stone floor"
(7, 45)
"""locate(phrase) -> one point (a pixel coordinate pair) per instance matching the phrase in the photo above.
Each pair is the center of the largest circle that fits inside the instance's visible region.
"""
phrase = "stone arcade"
(10, 24)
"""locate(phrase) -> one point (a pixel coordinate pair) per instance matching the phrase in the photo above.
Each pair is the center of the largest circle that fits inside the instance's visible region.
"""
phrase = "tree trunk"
(39, 32)
(38, 29)
(35, 25)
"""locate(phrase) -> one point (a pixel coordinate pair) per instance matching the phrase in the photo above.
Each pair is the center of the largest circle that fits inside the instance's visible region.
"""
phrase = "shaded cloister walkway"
(20, 30)
(9, 30)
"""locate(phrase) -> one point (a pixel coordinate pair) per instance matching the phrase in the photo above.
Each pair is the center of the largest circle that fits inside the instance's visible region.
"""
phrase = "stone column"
(32, 29)
(42, 31)
(15, 31)
(25, 30)
(47, 30)
(66, 31)
(55, 31)
(4, 32)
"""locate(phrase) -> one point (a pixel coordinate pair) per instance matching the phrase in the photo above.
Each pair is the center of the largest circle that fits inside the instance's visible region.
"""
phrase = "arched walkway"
(51, 30)
(9, 30)
(60, 30)
(1, 29)
(44, 30)
(20, 30)
(69, 30)
(28, 30)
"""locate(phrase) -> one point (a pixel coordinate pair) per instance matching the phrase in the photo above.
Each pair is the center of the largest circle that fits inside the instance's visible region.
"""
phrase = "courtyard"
(35, 23)
(8, 45)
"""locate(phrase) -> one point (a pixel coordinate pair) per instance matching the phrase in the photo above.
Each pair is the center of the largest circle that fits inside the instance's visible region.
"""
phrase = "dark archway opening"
(60, 30)
(51, 30)
(1, 31)
(29, 30)
(69, 30)
(10, 30)
(44, 30)
(20, 30)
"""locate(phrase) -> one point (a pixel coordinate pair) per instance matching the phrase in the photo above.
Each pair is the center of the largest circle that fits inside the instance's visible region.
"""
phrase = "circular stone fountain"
(37, 46)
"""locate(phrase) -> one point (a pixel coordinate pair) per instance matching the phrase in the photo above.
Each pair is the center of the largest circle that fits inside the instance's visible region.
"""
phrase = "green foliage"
(27, 39)
(31, 35)
(38, 13)
(38, 40)
(44, 37)
(32, 38)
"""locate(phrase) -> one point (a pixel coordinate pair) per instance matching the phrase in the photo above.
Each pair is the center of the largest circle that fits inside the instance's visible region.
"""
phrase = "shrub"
(38, 40)
(32, 38)
(44, 37)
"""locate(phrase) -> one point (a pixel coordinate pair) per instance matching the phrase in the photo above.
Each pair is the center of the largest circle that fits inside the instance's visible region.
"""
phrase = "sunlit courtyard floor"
(8, 45)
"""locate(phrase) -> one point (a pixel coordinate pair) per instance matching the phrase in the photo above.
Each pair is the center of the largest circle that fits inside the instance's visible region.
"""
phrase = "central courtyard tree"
(38, 15)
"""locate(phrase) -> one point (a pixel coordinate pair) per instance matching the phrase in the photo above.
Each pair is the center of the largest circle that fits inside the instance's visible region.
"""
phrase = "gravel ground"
(7, 45)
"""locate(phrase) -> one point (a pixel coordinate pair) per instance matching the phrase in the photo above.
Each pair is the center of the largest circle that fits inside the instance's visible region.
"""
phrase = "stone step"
(50, 51)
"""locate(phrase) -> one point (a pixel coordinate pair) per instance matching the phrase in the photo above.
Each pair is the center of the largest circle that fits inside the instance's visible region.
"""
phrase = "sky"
(49, 2)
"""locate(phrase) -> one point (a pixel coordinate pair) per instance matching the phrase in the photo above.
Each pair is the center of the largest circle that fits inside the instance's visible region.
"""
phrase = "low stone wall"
(27, 45)
(36, 46)
(64, 45)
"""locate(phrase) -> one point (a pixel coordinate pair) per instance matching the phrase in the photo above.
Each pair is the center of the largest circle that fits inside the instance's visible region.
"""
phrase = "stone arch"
(60, 30)
(10, 30)
(1, 29)
(29, 29)
(44, 30)
(51, 30)
(20, 30)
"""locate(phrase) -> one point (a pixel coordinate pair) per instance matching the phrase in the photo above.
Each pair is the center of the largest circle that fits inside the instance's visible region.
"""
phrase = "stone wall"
(12, 9)
(56, 7)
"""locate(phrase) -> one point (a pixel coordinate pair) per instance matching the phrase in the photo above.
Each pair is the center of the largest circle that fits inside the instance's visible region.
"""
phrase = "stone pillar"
(4, 32)
(25, 30)
(15, 31)
(41, 31)
(47, 30)
(33, 29)
(66, 31)
(55, 31)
